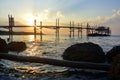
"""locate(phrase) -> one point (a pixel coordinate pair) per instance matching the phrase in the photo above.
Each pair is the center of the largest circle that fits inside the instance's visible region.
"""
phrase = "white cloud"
(112, 21)
(59, 14)
(50, 15)
(113, 17)
(118, 12)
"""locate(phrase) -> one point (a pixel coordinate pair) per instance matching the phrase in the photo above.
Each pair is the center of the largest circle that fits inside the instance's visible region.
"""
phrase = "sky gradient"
(97, 12)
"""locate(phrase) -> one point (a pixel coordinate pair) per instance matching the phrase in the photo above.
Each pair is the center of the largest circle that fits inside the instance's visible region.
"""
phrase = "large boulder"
(114, 72)
(3, 46)
(17, 46)
(112, 53)
(88, 52)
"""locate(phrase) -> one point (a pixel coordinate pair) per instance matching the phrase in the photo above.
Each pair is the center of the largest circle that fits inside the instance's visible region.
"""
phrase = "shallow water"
(49, 47)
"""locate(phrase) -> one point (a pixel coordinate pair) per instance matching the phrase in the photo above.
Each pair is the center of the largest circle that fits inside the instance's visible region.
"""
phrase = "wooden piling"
(35, 30)
(81, 30)
(40, 30)
(70, 29)
(87, 31)
(11, 24)
(12, 29)
(73, 29)
(78, 30)
(57, 29)
(9, 19)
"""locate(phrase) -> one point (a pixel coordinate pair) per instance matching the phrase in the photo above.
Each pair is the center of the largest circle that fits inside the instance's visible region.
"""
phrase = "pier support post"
(41, 30)
(11, 24)
(35, 30)
(88, 30)
(70, 30)
(73, 29)
(78, 30)
(81, 30)
(57, 29)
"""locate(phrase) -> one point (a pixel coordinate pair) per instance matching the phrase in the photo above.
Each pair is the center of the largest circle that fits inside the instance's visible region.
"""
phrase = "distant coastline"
(18, 33)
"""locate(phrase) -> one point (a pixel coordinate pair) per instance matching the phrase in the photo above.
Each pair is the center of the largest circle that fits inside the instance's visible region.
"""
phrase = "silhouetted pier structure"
(98, 31)
(41, 30)
(89, 30)
(57, 28)
(11, 24)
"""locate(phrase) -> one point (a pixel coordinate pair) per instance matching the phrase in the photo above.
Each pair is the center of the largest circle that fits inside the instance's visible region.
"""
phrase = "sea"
(53, 48)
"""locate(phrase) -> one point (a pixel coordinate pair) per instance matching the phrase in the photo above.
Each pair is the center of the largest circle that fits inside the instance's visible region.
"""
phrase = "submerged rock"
(112, 53)
(88, 52)
(3, 46)
(17, 46)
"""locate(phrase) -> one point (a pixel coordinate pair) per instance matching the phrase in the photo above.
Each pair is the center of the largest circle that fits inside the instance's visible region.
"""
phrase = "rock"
(6, 77)
(88, 52)
(17, 46)
(114, 72)
(3, 46)
(112, 53)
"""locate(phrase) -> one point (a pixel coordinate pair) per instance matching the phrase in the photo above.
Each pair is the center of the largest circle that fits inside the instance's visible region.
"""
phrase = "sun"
(29, 19)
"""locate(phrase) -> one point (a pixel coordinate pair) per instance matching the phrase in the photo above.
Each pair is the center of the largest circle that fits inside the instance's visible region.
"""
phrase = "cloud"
(50, 15)
(59, 14)
(115, 16)
(112, 21)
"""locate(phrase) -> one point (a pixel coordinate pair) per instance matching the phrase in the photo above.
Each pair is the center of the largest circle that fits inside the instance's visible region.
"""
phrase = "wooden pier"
(89, 30)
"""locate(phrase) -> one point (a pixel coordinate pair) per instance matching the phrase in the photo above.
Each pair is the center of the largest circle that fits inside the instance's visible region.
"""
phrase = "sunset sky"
(97, 12)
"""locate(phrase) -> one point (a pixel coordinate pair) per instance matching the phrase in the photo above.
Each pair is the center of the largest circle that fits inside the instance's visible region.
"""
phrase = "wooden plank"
(63, 63)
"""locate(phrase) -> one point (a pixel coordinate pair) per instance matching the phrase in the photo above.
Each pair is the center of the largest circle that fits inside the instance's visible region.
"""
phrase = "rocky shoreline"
(89, 52)
(11, 46)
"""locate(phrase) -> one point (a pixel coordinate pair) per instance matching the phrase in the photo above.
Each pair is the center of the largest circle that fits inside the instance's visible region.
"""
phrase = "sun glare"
(31, 21)
(29, 18)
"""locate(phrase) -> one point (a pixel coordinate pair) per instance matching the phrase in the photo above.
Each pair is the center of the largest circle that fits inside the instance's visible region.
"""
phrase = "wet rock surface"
(3, 46)
(17, 46)
(112, 53)
(88, 52)
(115, 68)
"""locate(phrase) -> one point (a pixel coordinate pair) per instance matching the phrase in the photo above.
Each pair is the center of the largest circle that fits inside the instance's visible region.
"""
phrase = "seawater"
(49, 47)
